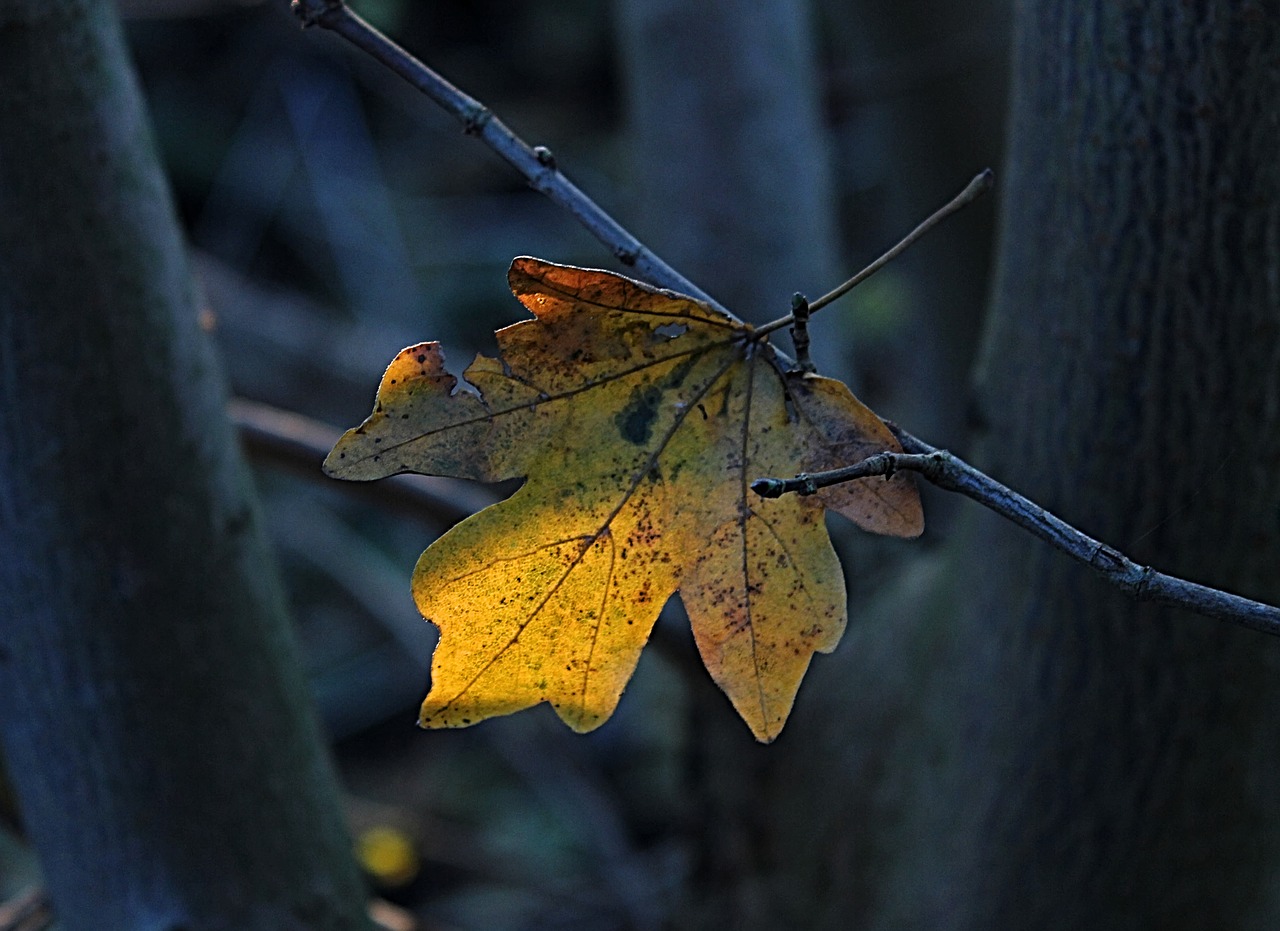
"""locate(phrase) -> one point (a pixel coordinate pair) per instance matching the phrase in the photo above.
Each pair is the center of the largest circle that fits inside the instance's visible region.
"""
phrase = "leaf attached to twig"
(639, 417)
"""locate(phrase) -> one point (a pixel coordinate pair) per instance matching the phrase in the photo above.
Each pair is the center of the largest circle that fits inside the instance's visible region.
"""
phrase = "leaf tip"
(579, 721)
(904, 513)
(913, 526)
(335, 464)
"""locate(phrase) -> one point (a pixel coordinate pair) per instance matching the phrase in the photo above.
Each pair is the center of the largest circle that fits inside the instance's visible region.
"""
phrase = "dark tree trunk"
(733, 174)
(1099, 763)
(731, 158)
(1002, 741)
(153, 716)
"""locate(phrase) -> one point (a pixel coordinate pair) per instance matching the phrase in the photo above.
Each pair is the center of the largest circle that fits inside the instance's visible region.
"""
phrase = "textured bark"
(1003, 741)
(1092, 762)
(153, 716)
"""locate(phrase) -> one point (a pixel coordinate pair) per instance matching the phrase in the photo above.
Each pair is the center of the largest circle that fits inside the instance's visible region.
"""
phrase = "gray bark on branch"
(951, 473)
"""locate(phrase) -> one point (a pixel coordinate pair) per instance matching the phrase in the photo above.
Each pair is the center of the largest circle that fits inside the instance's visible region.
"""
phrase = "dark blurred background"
(336, 216)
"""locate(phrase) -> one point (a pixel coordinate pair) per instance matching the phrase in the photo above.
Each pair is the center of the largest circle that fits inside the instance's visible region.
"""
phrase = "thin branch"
(299, 444)
(980, 184)
(800, 332)
(270, 437)
(954, 474)
(536, 164)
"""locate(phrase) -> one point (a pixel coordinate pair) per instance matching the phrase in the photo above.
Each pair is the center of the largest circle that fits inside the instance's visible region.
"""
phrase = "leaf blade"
(639, 417)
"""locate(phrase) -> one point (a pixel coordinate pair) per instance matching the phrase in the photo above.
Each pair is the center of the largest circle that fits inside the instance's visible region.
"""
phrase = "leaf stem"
(980, 184)
(536, 164)
(951, 473)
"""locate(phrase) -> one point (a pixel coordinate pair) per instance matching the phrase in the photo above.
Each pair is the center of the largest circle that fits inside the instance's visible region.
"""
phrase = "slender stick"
(536, 164)
(954, 474)
(980, 184)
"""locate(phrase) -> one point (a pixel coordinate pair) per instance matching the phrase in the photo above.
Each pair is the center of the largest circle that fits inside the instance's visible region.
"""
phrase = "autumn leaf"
(639, 417)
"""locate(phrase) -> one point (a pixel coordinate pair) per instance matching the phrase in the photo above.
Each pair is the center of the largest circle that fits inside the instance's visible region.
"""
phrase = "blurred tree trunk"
(731, 157)
(918, 98)
(732, 173)
(154, 719)
(1031, 749)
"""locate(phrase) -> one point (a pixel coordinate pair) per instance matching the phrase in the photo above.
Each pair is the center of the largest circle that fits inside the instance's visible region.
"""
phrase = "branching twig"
(980, 184)
(951, 473)
(537, 164)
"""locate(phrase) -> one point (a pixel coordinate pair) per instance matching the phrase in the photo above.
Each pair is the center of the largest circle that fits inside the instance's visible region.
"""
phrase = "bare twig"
(800, 332)
(537, 164)
(980, 184)
(299, 444)
(951, 473)
(272, 437)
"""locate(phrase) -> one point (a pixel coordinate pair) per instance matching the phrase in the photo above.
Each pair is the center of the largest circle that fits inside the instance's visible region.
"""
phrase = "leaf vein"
(595, 634)
(491, 414)
(546, 287)
(604, 528)
(744, 511)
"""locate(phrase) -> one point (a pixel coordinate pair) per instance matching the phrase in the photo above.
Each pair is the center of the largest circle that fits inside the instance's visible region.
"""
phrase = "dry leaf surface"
(639, 417)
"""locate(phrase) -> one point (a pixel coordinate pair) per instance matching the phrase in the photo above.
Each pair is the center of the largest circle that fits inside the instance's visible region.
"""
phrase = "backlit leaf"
(639, 417)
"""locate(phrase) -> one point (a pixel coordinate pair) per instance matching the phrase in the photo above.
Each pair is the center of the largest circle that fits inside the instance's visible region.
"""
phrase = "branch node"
(800, 332)
(938, 461)
(949, 472)
(1105, 559)
(546, 158)
(475, 120)
(1144, 581)
(626, 255)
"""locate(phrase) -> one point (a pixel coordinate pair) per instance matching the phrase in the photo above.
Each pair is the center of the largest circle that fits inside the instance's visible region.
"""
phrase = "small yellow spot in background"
(387, 855)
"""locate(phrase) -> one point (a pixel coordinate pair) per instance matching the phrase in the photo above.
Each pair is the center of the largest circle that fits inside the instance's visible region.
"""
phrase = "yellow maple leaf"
(639, 417)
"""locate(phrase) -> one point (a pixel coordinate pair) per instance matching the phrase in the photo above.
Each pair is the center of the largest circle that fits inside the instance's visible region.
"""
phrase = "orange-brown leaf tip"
(640, 418)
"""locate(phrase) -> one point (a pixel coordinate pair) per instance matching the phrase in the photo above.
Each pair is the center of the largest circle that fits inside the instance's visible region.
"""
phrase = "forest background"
(335, 217)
